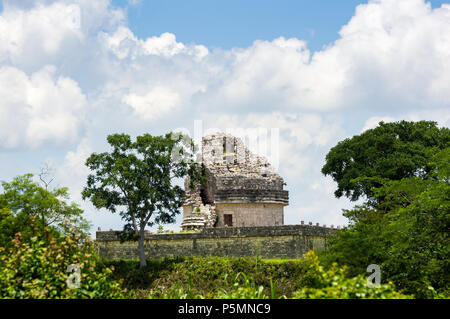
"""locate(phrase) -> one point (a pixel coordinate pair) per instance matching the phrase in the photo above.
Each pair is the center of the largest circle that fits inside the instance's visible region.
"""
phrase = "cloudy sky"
(74, 71)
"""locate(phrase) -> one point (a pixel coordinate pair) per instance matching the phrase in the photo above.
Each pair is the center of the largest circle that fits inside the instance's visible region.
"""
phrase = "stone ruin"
(241, 190)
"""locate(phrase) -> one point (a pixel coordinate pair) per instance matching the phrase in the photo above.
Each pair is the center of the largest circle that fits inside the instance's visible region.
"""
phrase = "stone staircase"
(200, 217)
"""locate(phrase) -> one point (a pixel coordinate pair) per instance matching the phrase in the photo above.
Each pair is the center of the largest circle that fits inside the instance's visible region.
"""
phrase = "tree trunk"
(142, 260)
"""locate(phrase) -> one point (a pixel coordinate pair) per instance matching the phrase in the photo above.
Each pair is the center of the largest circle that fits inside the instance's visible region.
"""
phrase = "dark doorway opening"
(228, 219)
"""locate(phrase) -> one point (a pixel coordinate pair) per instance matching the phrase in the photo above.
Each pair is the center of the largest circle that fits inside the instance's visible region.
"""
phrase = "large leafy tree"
(136, 178)
(23, 198)
(390, 151)
(407, 234)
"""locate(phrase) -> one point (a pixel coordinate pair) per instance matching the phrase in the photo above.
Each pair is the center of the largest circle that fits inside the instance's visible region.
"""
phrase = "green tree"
(23, 198)
(407, 234)
(391, 151)
(136, 179)
(10, 224)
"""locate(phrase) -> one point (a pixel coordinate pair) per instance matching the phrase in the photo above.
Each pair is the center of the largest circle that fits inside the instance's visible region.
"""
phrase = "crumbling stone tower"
(242, 189)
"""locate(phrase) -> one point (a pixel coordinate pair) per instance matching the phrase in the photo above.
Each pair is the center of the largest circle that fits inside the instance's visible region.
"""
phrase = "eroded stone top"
(225, 154)
(235, 174)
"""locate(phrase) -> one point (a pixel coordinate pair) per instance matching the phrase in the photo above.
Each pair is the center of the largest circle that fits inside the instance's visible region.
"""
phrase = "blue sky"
(234, 23)
(74, 71)
(228, 24)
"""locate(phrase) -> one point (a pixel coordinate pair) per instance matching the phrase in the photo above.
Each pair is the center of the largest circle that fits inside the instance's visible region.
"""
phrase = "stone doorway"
(228, 220)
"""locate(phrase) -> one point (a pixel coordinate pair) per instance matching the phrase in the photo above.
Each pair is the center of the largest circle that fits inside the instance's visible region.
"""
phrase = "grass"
(279, 260)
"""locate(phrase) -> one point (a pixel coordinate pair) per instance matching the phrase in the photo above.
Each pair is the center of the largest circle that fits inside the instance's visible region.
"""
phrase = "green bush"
(206, 276)
(37, 268)
(244, 277)
(245, 290)
(333, 284)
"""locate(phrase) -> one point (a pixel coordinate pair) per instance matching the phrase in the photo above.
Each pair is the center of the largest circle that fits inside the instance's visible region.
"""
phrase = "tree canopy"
(407, 234)
(136, 179)
(391, 151)
(23, 198)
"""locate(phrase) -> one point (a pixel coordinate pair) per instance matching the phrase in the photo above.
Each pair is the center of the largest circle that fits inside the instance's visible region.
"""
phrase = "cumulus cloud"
(373, 122)
(398, 53)
(440, 116)
(124, 44)
(73, 171)
(390, 54)
(157, 102)
(38, 108)
(41, 29)
(36, 33)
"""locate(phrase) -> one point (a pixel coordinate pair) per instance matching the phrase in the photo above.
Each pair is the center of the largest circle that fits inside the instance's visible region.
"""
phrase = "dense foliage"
(334, 283)
(392, 151)
(205, 276)
(244, 277)
(23, 198)
(407, 234)
(38, 268)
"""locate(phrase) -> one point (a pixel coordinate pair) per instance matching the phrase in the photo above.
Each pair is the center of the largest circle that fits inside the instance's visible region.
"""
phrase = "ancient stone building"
(241, 190)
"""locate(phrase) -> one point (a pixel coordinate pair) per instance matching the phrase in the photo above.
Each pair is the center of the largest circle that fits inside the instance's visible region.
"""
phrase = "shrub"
(38, 268)
(245, 290)
(206, 276)
(251, 278)
(332, 284)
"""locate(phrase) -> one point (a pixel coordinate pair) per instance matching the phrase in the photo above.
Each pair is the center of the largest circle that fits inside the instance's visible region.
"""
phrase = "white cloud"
(373, 122)
(73, 172)
(440, 116)
(38, 108)
(165, 45)
(397, 53)
(157, 102)
(391, 54)
(40, 30)
(36, 33)
(124, 44)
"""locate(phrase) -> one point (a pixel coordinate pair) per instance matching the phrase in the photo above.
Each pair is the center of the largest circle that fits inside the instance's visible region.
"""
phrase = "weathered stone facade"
(242, 188)
(288, 241)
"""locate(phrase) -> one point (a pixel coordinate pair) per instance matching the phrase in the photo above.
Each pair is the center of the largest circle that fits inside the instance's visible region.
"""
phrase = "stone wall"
(288, 241)
(251, 214)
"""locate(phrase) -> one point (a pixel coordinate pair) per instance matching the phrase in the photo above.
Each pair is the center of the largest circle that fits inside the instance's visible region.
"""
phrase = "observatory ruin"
(237, 212)
(242, 189)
